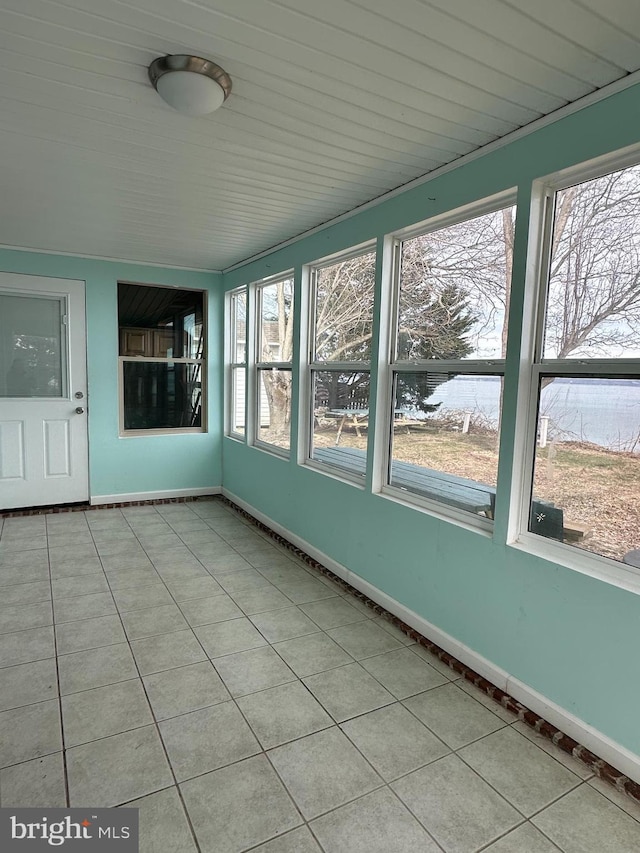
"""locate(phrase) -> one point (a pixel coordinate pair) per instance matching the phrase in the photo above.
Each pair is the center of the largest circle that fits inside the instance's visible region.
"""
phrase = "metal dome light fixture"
(190, 84)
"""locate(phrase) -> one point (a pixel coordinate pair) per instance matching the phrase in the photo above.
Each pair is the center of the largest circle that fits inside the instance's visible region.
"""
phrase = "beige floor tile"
(29, 732)
(393, 741)
(152, 621)
(96, 668)
(139, 598)
(204, 587)
(313, 653)
(187, 688)
(348, 691)
(166, 651)
(453, 715)
(584, 821)
(260, 600)
(26, 646)
(207, 611)
(26, 593)
(284, 713)
(84, 607)
(23, 616)
(28, 683)
(323, 771)
(104, 711)
(34, 784)
(89, 634)
(162, 823)
(457, 808)
(207, 739)
(524, 839)
(76, 586)
(376, 823)
(628, 804)
(117, 769)
(486, 700)
(284, 624)
(333, 613)
(403, 673)
(525, 776)
(297, 841)
(239, 807)
(252, 670)
(574, 764)
(364, 639)
(226, 638)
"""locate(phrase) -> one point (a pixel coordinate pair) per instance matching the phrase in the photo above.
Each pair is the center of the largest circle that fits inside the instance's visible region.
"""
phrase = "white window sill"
(468, 520)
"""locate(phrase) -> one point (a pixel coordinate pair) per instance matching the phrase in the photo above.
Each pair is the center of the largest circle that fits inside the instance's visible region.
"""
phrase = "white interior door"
(43, 389)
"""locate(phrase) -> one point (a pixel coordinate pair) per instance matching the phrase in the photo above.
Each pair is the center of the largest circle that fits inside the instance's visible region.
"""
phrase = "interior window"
(162, 353)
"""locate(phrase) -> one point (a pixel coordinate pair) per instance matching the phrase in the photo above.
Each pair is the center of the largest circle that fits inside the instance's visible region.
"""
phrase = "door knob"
(79, 410)
(78, 395)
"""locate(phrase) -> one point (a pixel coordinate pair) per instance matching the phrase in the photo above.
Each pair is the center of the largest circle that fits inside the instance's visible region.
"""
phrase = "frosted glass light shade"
(189, 93)
(190, 84)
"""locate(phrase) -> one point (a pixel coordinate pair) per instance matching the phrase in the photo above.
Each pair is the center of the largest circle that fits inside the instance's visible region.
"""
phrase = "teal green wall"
(141, 464)
(569, 636)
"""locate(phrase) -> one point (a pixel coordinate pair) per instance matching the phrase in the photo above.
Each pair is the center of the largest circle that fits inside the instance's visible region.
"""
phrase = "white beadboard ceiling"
(334, 103)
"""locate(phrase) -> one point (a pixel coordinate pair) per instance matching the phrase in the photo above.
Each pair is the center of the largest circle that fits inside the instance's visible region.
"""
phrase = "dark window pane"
(160, 322)
(162, 395)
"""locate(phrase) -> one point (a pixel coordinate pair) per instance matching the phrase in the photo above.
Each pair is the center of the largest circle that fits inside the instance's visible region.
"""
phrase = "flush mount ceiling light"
(190, 84)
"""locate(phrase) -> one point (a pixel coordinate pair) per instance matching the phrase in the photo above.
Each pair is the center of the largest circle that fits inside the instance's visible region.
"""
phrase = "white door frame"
(44, 458)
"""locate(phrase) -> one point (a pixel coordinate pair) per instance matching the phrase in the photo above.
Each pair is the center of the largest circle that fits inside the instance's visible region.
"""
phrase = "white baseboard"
(126, 497)
(604, 747)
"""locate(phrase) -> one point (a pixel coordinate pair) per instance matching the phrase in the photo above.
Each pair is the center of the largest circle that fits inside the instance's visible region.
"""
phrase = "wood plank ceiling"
(334, 103)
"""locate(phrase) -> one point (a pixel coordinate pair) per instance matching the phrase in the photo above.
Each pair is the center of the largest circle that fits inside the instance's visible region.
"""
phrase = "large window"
(237, 360)
(273, 362)
(162, 353)
(451, 289)
(586, 375)
(340, 362)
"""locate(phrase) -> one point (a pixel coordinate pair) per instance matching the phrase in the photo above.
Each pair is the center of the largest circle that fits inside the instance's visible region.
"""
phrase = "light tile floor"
(173, 658)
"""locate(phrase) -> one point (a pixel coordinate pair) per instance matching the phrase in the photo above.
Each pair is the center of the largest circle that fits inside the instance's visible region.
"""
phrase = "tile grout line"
(567, 744)
(298, 679)
(153, 716)
(335, 723)
(451, 662)
(55, 651)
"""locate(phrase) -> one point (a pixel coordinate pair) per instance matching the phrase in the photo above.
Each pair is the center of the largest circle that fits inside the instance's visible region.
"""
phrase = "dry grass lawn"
(597, 488)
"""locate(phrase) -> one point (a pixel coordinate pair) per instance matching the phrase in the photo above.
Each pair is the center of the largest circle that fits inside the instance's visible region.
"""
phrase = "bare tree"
(276, 342)
(455, 289)
(593, 305)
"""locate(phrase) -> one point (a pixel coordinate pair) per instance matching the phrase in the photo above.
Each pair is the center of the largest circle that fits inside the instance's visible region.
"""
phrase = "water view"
(599, 411)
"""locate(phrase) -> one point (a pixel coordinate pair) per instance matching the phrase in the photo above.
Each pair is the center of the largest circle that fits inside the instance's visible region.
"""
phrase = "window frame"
(233, 364)
(394, 366)
(310, 367)
(256, 366)
(202, 361)
(534, 366)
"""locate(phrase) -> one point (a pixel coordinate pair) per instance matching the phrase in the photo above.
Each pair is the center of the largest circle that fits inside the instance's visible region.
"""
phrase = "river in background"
(600, 411)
